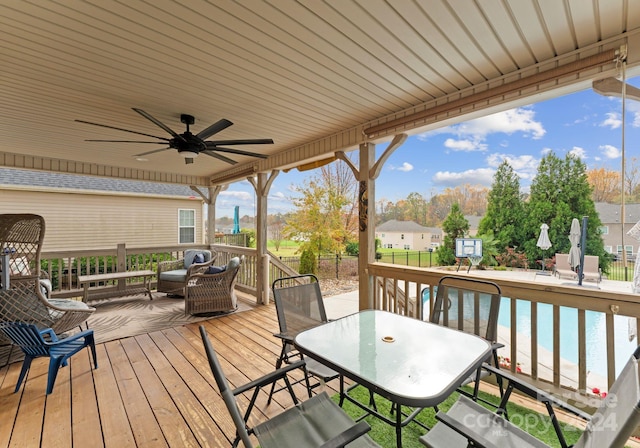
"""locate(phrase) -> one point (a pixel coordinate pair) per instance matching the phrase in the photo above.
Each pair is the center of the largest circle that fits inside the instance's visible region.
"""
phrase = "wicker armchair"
(213, 293)
(173, 274)
(21, 237)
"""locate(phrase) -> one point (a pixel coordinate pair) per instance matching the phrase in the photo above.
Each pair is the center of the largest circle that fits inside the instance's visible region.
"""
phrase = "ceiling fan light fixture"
(188, 154)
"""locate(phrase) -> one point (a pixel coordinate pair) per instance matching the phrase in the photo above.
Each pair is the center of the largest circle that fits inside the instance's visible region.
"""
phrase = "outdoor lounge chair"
(317, 422)
(299, 306)
(173, 274)
(24, 300)
(213, 293)
(30, 339)
(470, 305)
(469, 424)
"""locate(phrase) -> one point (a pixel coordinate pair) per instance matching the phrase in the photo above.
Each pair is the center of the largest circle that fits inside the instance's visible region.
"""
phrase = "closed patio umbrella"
(574, 238)
(544, 242)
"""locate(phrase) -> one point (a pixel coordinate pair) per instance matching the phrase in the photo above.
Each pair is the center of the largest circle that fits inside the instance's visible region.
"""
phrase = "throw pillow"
(216, 269)
(198, 258)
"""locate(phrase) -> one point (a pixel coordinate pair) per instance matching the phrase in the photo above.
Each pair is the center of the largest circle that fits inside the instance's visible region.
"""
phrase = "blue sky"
(583, 123)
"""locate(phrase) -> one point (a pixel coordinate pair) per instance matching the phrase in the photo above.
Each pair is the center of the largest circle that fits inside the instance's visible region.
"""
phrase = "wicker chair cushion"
(179, 275)
(191, 254)
(233, 263)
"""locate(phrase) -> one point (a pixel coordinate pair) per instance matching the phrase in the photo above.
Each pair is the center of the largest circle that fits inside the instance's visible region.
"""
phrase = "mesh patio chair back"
(299, 306)
(21, 237)
(618, 416)
(311, 424)
(469, 305)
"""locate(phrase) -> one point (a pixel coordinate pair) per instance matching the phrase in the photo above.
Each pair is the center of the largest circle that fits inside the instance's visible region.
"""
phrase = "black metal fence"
(336, 266)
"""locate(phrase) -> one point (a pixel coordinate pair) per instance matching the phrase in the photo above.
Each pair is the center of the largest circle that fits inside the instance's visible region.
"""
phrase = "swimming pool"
(595, 332)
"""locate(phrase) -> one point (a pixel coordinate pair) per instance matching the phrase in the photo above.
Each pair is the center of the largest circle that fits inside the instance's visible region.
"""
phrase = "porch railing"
(400, 289)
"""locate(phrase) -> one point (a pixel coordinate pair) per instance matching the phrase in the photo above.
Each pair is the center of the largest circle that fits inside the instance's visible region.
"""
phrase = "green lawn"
(536, 424)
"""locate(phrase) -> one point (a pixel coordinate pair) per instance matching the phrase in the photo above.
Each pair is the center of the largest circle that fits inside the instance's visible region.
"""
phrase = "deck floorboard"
(154, 389)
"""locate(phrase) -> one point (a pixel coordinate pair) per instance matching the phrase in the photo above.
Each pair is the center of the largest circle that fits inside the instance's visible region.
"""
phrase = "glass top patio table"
(406, 360)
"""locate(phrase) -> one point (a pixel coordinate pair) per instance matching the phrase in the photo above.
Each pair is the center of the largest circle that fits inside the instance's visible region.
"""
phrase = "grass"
(536, 424)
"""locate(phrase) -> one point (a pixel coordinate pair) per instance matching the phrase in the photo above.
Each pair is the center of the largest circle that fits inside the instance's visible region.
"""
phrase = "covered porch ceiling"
(311, 75)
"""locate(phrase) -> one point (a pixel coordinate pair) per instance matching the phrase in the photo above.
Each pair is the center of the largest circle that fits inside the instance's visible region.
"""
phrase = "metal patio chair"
(469, 424)
(32, 342)
(470, 305)
(317, 422)
(299, 306)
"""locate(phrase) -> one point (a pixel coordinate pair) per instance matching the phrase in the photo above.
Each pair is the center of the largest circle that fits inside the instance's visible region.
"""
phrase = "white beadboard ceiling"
(310, 74)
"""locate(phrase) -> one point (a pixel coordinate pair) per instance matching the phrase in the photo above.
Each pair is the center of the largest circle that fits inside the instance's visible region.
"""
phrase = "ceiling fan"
(188, 144)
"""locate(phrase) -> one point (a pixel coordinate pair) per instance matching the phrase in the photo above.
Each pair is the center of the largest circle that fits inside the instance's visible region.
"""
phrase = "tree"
(560, 192)
(605, 184)
(416, 208)
(454, 226)
(505, 211)
(276, 226)
(324, 216)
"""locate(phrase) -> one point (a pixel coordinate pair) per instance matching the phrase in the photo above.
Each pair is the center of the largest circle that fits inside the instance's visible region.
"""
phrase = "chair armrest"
(472, 436)
(534, 392)
(198, 268)
(52, 334)
(269, 378)
(285, 337)
(347, 436)
(170, 265)
(73, 337)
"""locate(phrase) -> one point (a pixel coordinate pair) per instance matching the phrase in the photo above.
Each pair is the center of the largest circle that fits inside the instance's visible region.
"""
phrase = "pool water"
(595, 333)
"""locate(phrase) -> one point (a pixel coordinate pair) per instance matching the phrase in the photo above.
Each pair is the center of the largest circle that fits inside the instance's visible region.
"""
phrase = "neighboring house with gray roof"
(611, 228)
(408, 235)
(92, 212)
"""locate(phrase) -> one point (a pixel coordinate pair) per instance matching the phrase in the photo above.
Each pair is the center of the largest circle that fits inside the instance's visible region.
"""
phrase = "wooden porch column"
(210, 200)
(262, 183)
(366, 220)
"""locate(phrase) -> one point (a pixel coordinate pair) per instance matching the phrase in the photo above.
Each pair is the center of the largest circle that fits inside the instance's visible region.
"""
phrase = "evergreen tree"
(454, 226)
(505, 211)
(560, 192)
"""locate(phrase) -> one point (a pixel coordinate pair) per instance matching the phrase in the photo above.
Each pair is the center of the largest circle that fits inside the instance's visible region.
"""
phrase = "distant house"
(91, 212)
(474, 223)
(611, 229)
(408, 235)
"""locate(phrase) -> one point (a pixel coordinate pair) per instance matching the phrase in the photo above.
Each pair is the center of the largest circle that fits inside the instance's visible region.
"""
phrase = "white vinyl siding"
(102, 221)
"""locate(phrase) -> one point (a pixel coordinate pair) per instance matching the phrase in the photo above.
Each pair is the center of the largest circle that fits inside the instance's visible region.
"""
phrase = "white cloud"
(610, 151)
(578, 152)
(612, 121)
(465, 145)
(239, 195)
(525, 166)
(406, 167)
(278, 196)
(481, 176)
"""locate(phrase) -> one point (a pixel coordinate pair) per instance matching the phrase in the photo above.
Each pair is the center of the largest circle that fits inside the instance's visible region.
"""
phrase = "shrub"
(308, 262)
(352, 249)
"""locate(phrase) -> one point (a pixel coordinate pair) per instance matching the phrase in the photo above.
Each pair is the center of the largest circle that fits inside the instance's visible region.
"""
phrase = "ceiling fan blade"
(256, 141)
(159, 123)
(126, 141)
(214, 128)
(234, 151)
(121, 129)
(219, 157)
(151, 152)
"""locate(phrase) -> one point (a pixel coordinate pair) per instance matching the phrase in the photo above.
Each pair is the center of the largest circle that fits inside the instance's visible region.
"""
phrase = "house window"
(422, 236)
(604, 230)
(402, 236)
(187, 226)
(407, 247)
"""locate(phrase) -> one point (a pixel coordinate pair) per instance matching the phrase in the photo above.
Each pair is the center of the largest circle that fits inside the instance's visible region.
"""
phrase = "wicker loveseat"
(22, 295)
(213, 293)
(173, 274)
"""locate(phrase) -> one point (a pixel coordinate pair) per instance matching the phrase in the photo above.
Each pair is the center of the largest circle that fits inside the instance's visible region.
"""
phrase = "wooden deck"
(150, 390)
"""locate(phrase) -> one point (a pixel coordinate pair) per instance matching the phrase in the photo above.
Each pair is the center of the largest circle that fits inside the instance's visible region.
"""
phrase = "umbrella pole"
(583, 247)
